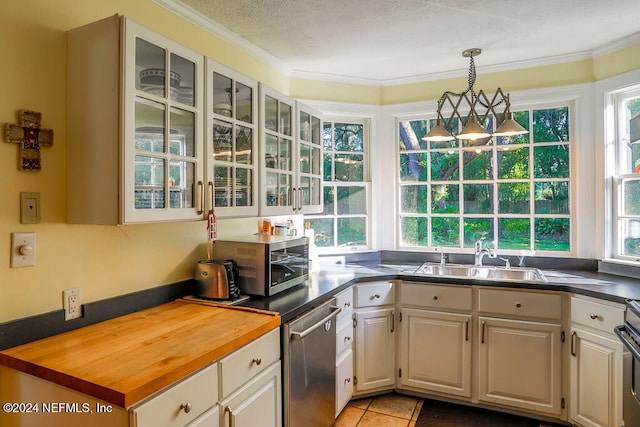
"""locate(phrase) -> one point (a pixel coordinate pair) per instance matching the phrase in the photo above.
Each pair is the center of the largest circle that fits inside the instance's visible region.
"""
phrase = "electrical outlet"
(71, 303)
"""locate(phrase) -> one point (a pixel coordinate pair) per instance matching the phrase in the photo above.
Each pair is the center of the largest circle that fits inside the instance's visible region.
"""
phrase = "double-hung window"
(626, 179)
(344, 222)
(514, 192)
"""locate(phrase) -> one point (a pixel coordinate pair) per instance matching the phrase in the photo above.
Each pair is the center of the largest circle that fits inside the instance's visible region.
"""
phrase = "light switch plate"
(23, 249)
(29, 208)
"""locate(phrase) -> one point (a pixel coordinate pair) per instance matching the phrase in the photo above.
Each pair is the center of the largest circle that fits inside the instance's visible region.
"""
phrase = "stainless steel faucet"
(481, 252)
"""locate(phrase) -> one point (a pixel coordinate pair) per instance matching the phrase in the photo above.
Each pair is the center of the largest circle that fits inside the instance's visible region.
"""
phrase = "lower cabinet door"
(344, 380)
(375, 349)
(519, 364)
(435, 351)
(211, 418)
(258, 403)
(596, 373)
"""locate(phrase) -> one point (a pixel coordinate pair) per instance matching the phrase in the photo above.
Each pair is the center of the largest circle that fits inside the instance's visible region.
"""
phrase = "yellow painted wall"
(106, 261)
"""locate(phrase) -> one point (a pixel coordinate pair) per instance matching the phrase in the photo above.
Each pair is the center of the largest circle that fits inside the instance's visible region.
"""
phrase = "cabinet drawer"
(344, 300)
(200, 391)
(517, 303)
(437, 296)
(374, 293)
(597, 314)
(344, 336)
(246, 362)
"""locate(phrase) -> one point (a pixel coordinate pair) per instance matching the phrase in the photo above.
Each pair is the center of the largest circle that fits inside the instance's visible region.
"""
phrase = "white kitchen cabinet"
(595, 363)
(436, 336)
(375, 366)
(135, 149)
(182, 403)
(309, 160)
(344, 349)
(232, 142)
(291, 155)
(435, 351)
(519, 364)
(257, 403)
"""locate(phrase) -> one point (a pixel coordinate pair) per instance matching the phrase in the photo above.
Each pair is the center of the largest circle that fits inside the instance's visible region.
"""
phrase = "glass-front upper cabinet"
(232, 135)
(164, 150)
(135, 126)
(278, 184)
(309, 159)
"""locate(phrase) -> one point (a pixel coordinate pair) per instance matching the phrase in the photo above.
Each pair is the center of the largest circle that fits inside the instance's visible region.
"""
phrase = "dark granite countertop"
(332, 279)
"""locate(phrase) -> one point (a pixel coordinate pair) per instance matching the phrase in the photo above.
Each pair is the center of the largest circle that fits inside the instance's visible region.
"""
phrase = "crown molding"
(218, 30)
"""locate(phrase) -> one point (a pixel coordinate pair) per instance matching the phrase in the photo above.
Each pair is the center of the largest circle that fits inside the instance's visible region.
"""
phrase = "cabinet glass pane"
(271, 113)
(181, 184)
(181, 79)
(223, 185)
(315, 161)
(222, 143)
(182, 136)
(285, 118)
(284, 159)
(271, 151)
(243, 187)
(305, 190)
(149, 188)
(305, 126)
(150, 126)
(316, 132)
(244, 103)
(221, 94)
(244, 145)
(305, 158)
(150, 66)
(284, 193)
(316, 188)
(271, 188)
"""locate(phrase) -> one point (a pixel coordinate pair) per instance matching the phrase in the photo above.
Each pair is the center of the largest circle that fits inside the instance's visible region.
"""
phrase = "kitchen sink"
(519, 274)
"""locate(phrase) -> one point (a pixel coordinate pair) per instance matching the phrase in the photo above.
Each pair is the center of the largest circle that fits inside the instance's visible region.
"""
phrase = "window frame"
(534, 102)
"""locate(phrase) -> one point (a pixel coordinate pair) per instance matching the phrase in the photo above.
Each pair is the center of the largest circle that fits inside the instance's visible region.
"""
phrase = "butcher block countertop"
(126, 359)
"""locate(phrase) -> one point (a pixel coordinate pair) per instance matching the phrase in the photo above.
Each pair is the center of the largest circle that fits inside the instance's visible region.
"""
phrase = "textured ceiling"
(383, 40)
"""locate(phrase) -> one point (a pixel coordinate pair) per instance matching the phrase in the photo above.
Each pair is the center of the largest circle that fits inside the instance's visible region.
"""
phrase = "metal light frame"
(472, 122)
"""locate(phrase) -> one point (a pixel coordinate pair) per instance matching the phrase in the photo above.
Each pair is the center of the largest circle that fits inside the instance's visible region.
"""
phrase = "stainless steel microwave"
(266, 264)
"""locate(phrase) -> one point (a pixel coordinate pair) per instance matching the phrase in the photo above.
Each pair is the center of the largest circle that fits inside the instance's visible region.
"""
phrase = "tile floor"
(387, 410)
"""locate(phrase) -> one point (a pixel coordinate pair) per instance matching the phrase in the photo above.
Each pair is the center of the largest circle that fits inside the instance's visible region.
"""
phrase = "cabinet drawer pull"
(435, 297)
(372, 297)
(594, 316)
(347, 380)
(257, 361)
(347, 338)
(518, 305)
(347, 304)
(574, 337)
(186, 407)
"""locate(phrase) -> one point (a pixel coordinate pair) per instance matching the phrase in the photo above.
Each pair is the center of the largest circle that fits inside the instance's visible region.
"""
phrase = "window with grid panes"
(626, 212)
(512, 191)
(344, 222)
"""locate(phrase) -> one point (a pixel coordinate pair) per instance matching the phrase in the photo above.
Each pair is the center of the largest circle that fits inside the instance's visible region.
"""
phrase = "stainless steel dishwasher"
(310, 367)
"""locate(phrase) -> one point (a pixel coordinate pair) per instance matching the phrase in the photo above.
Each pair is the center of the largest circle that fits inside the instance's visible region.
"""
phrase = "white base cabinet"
(520, 364)
(595, 363)
(435, 351)
(344, 349)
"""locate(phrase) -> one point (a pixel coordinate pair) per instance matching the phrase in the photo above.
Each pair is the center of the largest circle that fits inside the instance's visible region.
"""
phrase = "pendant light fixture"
(470, 102)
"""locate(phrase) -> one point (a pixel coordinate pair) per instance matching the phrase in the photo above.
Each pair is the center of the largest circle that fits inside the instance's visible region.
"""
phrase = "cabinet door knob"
(347, 338)
(593, 316)
(347, 380)
(186, 407)
(347, 304)
(257, 361)
(435, 297)
(518, 305)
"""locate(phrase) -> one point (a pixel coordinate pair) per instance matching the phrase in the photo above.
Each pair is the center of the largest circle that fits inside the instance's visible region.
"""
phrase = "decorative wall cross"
(28, 134)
